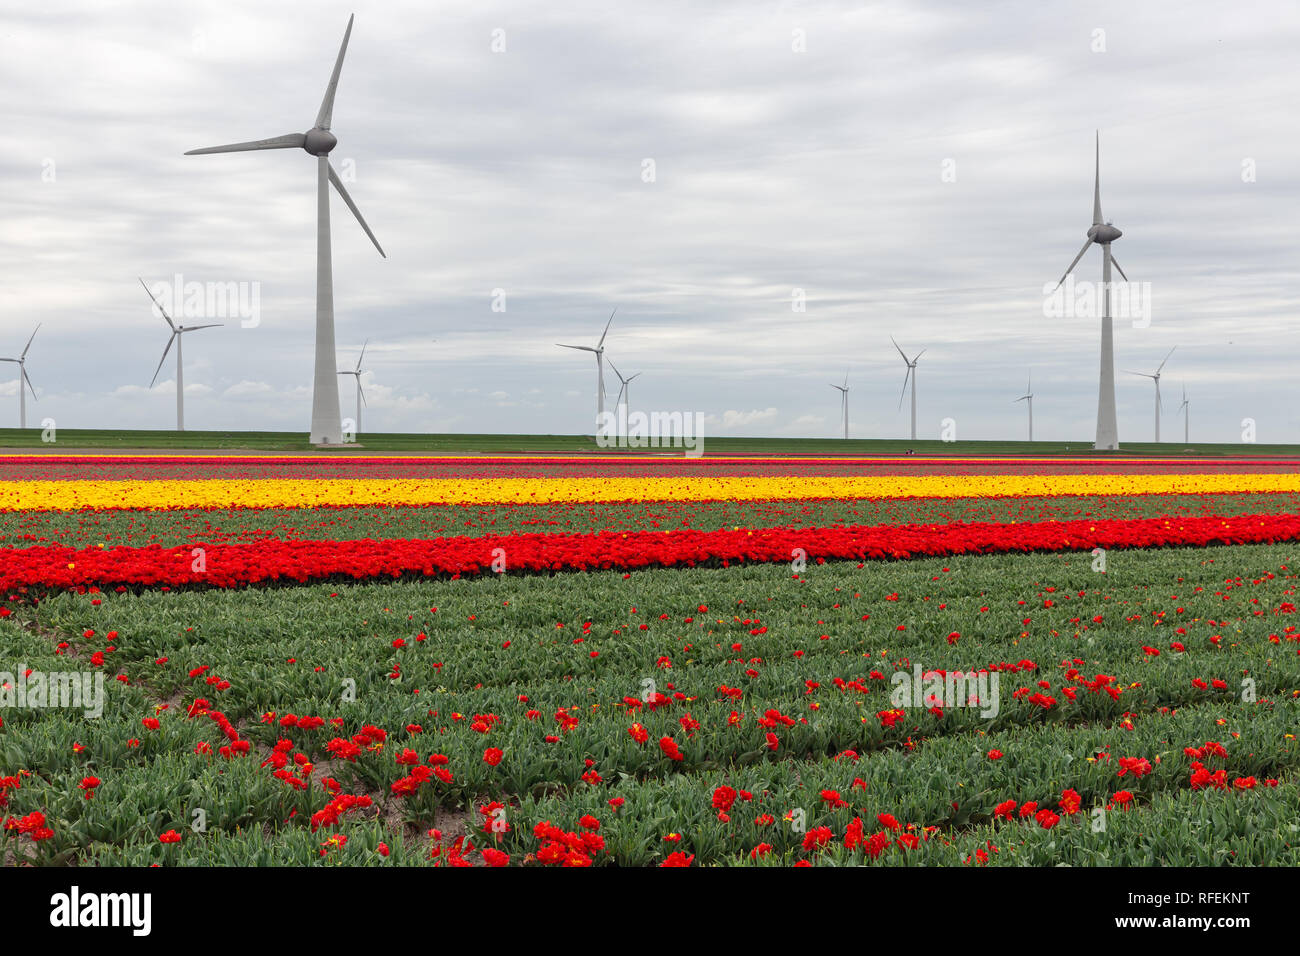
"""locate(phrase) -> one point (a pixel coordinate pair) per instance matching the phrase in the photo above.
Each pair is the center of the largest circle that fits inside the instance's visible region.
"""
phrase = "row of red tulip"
(270, 561)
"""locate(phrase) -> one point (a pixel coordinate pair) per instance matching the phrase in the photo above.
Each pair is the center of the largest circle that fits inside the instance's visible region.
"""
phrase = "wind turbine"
(599, 351)
(177, 331)
(1186, 409)
(844, 401)
(1155, 377)
(358, 372)
(911, 373)
(22, 378)
(326, 420)
(1029, 397)
(623, 391)
(1103, 234)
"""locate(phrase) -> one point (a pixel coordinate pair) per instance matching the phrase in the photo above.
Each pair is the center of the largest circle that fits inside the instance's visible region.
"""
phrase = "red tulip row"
(273, 560)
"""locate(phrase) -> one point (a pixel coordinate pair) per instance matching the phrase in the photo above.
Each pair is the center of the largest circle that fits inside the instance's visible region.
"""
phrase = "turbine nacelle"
(319, 142)
(1104, 234)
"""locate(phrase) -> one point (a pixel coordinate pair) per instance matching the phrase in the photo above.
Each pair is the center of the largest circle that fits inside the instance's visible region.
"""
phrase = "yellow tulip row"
(333, 492)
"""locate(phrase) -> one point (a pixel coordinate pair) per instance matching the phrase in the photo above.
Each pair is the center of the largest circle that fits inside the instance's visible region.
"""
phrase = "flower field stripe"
(312, 492)
(273, 561)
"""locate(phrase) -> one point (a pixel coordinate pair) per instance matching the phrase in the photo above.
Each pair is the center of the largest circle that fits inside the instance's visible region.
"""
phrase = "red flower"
(492, 756)
(669, 747)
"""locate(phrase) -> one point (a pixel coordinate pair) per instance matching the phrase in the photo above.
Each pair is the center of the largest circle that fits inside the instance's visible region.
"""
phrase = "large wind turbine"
(911, 373)
(21, 362)
(1029, 397)
(1186, 409)
(358, 372)
(177, 332)
(1155, 377)
(326, 421)
(844, 402)
(599, 350)
(624, 393)
(1103, 234)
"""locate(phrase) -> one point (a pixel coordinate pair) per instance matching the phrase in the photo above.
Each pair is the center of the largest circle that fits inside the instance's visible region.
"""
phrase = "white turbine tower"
(599, 351)
(1155, 377)
(844, 402)
(1186, 409)
(1103, 234)
(624, 392)
(326, 421)
(1029, 397)
(177, 332)
(911, 373)
(21, 362)
(357, 373)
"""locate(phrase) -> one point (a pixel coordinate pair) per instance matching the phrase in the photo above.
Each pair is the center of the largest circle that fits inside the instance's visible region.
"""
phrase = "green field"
(597, 645)
(73, 439)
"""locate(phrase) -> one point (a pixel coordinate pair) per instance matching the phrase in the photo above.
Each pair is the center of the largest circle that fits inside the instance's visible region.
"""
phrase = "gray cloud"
(775, 171)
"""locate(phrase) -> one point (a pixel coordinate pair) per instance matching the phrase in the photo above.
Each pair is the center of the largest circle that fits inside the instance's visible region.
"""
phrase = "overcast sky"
(915, 168)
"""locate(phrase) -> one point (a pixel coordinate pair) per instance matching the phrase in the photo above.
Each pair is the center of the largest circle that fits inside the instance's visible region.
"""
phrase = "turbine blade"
(362, 392)
(903, 393)
(30, 386)
(1096, 187)
(1143, 374)
(163, 359)
(287, 141)
(606, 332)
(580, 348)
(29, 341)
(900, 351)
(918, 355)
(1076, 261)
(195, 328)
(616, 371)
(1162, 364)
(1116, 265)
(362, 356)
(158, 304)
(326, 114)
(338, 184)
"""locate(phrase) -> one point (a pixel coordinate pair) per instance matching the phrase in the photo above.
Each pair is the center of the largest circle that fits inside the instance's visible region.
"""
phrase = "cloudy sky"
(919, 169)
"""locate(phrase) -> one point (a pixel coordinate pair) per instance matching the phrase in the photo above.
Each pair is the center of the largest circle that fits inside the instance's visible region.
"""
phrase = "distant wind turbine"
(1155, 377)
(326, 419)
(624, 393)
(599, 351)
(1186, 409)
(911, 373)
(357, 373)
(844, 402)
(1029, 397)
(177, 331)
(21, 362)
(1103, 234)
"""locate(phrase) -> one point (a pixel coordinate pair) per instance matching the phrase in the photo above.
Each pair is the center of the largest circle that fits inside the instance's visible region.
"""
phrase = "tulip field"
(583, 661)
